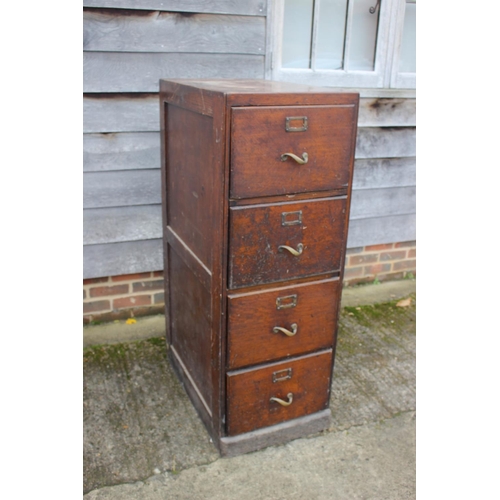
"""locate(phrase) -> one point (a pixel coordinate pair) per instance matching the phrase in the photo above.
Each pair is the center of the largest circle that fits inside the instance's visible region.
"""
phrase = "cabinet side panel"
(190, 180)
(191, 321)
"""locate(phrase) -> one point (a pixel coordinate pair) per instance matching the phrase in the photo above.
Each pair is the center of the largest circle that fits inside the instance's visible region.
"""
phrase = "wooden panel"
(252, 317)
(190, 180)
(121, 113)
(123, 151)
(191, 317)
(111, 225)
(257, 231)
(248, 7)
(114, 259)
(377, 230)
(380, 202)
(259, 138)
(249, 392)
(383, 173)
(153, 31)
(386, 142)
(121, 188)
(387, 113)
(140, 72)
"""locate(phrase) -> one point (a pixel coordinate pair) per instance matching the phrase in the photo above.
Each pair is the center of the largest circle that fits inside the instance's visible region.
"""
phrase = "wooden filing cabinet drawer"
(302, 382)
(304, 312)
(259, 235)
(261, 135)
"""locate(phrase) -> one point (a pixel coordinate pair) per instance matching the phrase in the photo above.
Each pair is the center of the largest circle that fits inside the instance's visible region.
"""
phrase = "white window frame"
(383, 77)
(400, 80)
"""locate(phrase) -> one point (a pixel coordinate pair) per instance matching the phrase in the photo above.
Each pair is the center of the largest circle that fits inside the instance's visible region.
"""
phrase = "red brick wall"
(133, 295)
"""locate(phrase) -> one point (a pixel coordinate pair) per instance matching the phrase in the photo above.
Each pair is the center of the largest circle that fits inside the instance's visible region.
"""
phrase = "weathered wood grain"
(382, 202)
(113, 225)
(380, 230)
(121, 113)
(387, 113)
(114, 259)
(247, 7)
(382, 173)
(141, 72)
(123, 151)
(121, 188)
(154, 31)
(388, 142)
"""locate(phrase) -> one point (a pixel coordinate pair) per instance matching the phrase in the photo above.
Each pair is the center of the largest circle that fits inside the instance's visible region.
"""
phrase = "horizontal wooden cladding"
(140, 113)
(112, 225)
(384, 173)
(248, 7)
(378, 230)
(387, 113)
(122, 151)
(128, 257)
(386, 142)
(154, 31)
(380, 202)
(140, 72)
(249, 392)
(121, 188)
(252, 317)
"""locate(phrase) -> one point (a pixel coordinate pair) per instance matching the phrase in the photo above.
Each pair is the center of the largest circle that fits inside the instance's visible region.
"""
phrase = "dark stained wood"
(190, 323)
(190, 180)
(224, 275)
(259, 138)
(250, 392)
(252, 317)
(257, 232)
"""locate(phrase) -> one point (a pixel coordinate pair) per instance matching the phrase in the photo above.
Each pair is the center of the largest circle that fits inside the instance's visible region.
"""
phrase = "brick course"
(141, 294)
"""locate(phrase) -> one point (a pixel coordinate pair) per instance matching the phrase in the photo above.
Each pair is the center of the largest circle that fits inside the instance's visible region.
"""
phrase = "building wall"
(128, 46)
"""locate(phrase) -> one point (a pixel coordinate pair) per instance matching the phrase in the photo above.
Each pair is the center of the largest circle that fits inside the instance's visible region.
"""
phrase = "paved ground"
(143, 439)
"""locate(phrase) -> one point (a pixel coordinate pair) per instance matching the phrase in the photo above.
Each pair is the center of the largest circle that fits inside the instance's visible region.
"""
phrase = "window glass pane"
(363, 35)
(297, 27)
(330, 34)
(408, 56)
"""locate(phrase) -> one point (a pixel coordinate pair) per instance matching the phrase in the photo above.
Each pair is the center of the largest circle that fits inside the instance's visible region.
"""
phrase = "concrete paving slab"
(375, 461)
(140, 425)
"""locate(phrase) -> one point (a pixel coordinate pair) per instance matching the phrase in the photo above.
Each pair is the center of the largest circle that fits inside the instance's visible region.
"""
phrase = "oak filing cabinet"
(256, 183)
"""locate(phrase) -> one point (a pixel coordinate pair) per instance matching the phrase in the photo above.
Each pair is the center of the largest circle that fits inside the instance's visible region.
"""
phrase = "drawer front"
(303, 382)
(259, 138)
(263, 238)
(306, 313)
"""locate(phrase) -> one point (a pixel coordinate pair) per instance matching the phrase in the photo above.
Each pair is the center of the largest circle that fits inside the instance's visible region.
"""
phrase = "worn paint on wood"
(154, 31)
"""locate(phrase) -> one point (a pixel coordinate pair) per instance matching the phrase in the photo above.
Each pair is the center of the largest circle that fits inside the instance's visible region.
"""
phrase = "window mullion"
(314, 33)
(348, 31)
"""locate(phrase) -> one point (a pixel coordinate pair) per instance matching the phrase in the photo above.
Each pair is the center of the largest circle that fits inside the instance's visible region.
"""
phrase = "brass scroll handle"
(300, 161)
(282, 402)
(300, 249)
(288, 333)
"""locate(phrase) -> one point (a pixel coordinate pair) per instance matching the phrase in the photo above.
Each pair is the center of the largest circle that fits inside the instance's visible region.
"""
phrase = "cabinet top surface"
(251, 86)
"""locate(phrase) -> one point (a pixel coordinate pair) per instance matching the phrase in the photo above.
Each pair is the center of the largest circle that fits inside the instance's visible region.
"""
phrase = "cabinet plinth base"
(275, 434)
